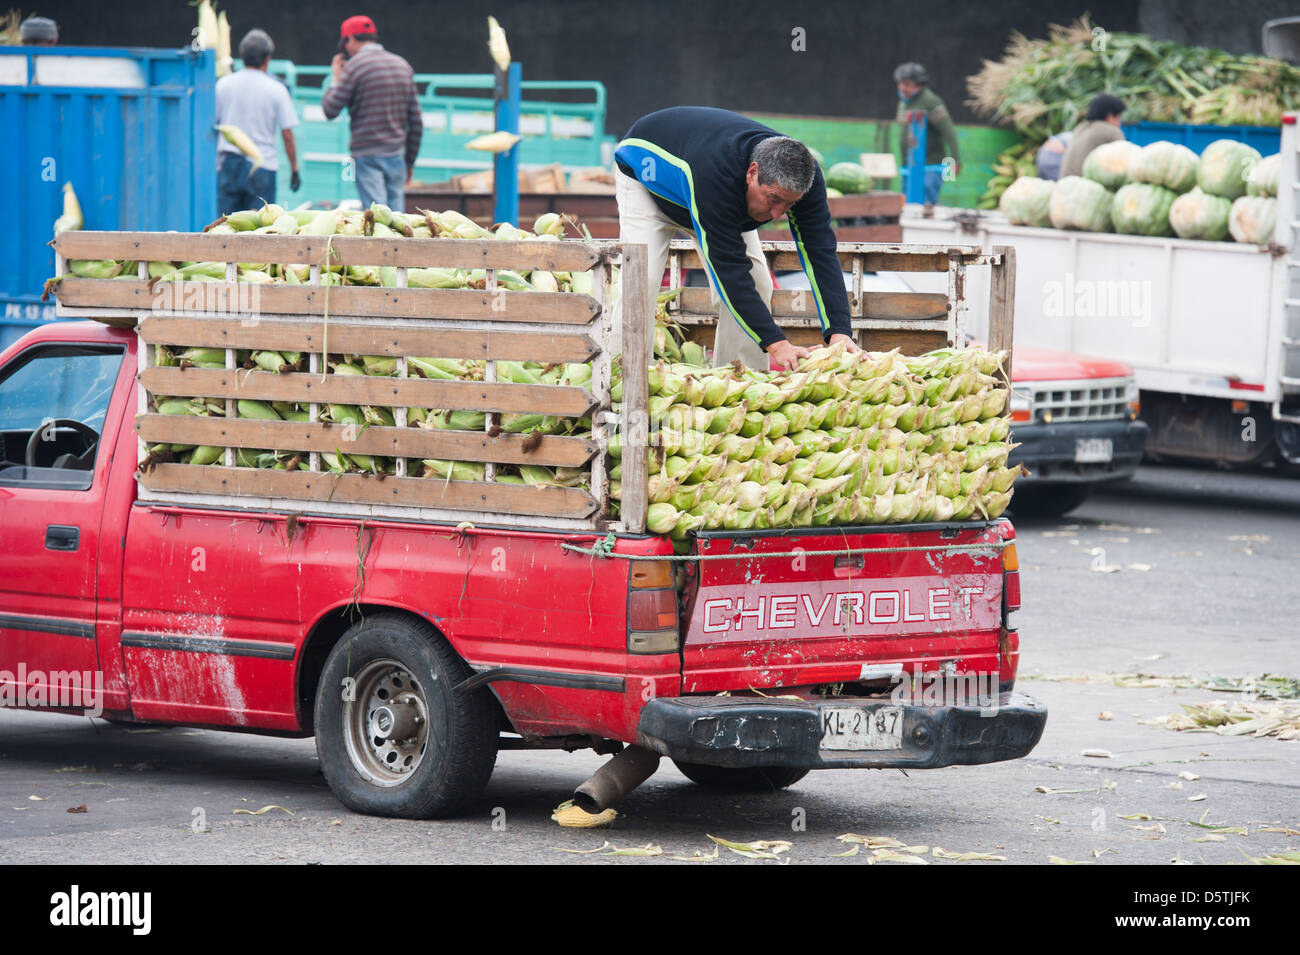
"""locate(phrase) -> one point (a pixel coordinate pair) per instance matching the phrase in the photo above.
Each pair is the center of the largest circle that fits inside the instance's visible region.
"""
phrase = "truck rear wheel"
(394, 736)
(752, 779)
(1049, 500)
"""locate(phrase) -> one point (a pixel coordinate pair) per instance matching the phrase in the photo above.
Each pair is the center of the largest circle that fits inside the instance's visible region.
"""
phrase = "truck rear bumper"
(740, 732)
(1050, 451)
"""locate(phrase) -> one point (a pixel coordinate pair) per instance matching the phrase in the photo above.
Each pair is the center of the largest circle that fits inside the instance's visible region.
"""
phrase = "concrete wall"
(706, 52)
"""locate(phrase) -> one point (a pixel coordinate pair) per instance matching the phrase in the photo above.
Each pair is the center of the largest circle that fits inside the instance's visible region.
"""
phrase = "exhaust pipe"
(613, 781)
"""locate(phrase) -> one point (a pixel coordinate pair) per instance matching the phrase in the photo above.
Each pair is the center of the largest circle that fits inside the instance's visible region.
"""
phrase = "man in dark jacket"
(718, 176)
(915, 96)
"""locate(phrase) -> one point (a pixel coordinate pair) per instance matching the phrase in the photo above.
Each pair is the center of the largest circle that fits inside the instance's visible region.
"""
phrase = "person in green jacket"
(915, 96)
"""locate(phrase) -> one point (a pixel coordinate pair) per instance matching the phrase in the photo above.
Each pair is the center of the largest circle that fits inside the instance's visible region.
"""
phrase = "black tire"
(1048, 501)
(753, 779)
(402, 676)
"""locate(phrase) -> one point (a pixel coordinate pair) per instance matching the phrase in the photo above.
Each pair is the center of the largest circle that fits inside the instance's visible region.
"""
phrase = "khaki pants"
(640, 220)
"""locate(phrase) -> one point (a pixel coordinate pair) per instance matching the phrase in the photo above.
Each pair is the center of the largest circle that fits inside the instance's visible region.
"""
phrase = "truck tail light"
(1010, 579)
(652, 622)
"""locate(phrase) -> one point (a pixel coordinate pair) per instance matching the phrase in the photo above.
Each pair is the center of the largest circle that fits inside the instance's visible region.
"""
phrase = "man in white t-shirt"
(259, 104)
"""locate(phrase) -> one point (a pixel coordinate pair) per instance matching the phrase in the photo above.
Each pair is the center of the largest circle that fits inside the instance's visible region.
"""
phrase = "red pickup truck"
(415, 651)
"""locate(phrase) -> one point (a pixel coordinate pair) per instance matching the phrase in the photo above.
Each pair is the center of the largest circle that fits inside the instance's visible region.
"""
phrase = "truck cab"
(1076, 420)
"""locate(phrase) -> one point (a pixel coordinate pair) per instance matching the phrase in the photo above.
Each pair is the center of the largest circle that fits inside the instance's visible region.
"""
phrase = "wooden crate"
(491, 324)
(916, 322)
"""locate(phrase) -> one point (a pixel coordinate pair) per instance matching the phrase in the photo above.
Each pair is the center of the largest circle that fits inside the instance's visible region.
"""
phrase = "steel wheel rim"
(386, 724)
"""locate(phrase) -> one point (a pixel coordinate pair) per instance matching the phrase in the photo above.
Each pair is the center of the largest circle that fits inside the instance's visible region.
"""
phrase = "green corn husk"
(270, 361)
(995, 503)
(247, 408)
(206, 454)
(661, 518)
(344, 414)
(456, 470)
(382, 417)
(707, 467)
(435, 278)
(457, 420)
(245, 220)
(737, 448)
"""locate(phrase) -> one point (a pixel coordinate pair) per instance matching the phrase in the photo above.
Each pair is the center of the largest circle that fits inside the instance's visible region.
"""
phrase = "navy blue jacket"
(693, 161)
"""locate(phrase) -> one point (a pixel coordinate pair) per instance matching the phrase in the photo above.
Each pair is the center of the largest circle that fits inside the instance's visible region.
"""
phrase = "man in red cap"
(378, 90)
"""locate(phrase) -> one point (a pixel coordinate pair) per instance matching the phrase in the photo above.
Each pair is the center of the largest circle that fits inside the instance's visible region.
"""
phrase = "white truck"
(1211, 329)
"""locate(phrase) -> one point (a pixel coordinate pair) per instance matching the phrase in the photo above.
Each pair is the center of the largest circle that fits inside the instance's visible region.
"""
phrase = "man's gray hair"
(785, 162)
(256, 47)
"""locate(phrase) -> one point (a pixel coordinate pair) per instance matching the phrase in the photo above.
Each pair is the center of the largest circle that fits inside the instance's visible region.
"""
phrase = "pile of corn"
(446, 369)
(848, 438)
(378, 220)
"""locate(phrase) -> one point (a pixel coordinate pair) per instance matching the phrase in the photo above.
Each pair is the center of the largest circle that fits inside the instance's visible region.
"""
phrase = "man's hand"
(410, 175)
(785, 356)
(849, 344)
(336, 65)
(295, 181)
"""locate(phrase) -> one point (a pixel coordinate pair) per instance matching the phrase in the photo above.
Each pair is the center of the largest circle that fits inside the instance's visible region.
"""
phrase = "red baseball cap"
(353, 26)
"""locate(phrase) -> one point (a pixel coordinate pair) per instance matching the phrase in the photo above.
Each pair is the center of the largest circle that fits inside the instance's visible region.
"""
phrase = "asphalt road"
(1205, 579)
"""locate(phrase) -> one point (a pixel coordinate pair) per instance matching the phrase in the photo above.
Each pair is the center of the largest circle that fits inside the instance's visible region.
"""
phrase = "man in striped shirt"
(378, 90)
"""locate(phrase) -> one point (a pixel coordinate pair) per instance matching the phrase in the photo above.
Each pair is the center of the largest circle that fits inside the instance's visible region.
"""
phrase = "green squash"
(1027, 201)
(1262, 179)
(1164, 164)
(1224, 168)
(1079, 203)
(1199, 215)
(848, 177)
(1252, 219)
(1140, 208)
(1108, 163)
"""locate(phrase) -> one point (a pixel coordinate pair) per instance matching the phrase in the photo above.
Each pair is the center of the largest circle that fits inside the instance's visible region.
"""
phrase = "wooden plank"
(866, 204)
(561, 400)
(881, 261)
(909, 342)
(490, 500)
(556, 308)
(370, 339)
(1002, 305)
(638, 327)
(885, 232)
(797, 303)
(551, 451)
(565, 256)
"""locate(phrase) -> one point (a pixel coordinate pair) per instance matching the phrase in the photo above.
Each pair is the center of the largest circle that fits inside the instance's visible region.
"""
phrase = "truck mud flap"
(740, 732)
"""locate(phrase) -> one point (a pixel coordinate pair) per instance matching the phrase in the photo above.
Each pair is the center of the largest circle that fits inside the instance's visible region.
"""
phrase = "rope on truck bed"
(601, 549)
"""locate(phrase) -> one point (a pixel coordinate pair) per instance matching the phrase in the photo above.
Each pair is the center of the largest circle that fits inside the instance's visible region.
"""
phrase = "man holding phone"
(378, 91)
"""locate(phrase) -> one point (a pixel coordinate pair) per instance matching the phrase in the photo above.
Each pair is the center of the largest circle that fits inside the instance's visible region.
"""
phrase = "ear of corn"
(498, 142)
(72, 219)
(241, 141)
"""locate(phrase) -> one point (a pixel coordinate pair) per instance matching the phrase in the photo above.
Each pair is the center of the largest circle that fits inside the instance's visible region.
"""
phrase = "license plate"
(1093, 450)
(857, 728)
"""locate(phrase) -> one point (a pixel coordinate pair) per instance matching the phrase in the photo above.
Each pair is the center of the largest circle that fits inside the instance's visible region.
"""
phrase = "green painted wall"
(843, 140)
